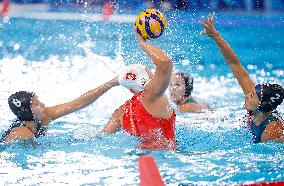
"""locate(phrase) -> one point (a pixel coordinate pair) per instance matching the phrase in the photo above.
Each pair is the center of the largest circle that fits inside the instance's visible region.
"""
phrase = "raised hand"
(209, 27)
(138, 36)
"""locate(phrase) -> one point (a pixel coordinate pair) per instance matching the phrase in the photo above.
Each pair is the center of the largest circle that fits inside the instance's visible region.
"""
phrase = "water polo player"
(261, 100)
(180, 89)
(33, 117)
(147, 114)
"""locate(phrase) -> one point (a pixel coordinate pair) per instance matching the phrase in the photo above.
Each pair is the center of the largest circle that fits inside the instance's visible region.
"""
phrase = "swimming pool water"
(60, 60)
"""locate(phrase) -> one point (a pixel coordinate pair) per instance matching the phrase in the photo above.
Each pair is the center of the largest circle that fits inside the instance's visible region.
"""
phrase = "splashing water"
(60, 60)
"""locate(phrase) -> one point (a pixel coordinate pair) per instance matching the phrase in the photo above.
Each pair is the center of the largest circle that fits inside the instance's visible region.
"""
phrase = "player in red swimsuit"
(147, 114)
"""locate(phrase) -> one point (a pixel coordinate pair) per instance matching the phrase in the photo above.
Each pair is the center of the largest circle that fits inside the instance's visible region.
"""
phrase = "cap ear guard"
(270, 96)
(134, 78)
(20, 104)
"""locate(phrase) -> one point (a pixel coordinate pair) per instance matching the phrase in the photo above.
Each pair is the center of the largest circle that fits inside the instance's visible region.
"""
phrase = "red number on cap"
(130, 75)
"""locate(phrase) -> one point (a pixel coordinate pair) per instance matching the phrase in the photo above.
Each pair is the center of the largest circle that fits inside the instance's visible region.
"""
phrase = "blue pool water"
(59, 60)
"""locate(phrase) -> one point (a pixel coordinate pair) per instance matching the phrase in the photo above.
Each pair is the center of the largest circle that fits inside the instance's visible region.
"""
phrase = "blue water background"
(215, 147)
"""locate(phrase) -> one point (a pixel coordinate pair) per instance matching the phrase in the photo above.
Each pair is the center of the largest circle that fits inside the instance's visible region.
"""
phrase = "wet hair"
(188, 82)
(270, 96)
(20, 104)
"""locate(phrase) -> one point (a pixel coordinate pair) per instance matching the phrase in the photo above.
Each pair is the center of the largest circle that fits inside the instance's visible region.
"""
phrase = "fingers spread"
(205, 20)
(203, 32)
(201, 23)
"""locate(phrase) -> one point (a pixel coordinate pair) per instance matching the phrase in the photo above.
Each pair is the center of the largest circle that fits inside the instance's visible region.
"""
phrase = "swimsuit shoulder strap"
(190, 100)
(28, 127)
(15, 124)
(40, 130)
(266, 121)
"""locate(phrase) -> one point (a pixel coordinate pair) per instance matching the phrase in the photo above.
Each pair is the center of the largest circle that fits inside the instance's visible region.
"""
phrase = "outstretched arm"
(84, 100)
(161, 79)
(232, 60)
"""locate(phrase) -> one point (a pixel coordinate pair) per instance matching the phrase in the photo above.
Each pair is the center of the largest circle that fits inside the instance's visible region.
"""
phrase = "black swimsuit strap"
(7, 132)
(257, 130)
(28, 127)
(39, 129)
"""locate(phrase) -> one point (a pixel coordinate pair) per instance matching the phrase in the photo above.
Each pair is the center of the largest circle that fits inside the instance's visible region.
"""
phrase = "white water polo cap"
(134, 77)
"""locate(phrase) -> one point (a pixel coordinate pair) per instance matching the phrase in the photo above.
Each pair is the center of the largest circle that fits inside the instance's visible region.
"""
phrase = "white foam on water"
(100, 162)
(56, 81)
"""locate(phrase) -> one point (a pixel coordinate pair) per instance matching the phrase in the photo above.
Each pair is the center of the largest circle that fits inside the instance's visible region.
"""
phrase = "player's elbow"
(165, 65)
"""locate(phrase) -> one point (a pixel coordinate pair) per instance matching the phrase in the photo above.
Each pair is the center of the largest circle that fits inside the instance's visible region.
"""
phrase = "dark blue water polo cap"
(20, 104)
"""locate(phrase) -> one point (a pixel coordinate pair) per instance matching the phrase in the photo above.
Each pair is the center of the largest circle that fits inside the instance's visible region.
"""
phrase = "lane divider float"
(149, 173)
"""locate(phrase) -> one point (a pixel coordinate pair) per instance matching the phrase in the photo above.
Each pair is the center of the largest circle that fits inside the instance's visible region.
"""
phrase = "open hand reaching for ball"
(209, 27)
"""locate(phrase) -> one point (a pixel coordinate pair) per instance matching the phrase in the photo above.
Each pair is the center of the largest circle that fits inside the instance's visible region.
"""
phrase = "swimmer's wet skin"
(261, 101)
(147, 114)
(33, 117)
(180, 89)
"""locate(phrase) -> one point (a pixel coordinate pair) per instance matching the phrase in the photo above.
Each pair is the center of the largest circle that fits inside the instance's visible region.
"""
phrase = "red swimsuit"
(155, 133)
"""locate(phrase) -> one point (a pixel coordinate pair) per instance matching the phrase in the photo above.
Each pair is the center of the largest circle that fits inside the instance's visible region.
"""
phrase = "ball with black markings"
(150, 24)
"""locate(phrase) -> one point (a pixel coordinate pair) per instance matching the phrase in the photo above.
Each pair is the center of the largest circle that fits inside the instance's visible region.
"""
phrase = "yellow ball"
(150, 24)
